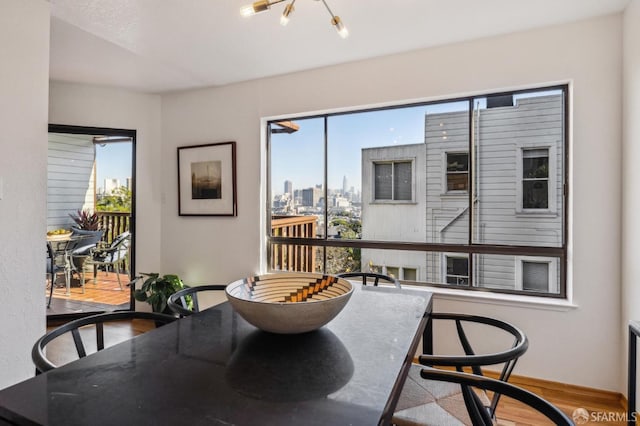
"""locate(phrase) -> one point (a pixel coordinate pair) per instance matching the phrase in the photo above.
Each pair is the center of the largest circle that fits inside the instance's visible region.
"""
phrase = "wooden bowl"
(289, 303)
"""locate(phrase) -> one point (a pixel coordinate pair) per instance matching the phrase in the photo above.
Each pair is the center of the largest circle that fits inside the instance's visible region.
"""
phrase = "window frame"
(445, 173)
(552, 180)
(393, 162)
(445, 274)
(470, 248)
(552, 282)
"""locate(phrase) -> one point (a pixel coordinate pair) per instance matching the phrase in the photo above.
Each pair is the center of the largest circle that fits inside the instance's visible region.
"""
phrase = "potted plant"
(86, 220)
(156, 290)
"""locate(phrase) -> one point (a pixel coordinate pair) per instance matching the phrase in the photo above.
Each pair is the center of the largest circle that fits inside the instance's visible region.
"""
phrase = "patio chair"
(81, 250)
(367, 277)
(111, 256)
(477, 411)
(179, 304)
(80, 327)
(53, 268)
(418, 395)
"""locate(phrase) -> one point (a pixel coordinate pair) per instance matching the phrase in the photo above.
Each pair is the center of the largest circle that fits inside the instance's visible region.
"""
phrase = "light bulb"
(342, 30)
(256, 7)
(284, 19)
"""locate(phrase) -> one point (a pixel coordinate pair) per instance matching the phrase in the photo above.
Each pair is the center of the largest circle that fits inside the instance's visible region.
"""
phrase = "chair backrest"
(43, 364)
(50, 258)
(481, 414)
(367, 277)
(179, 301)
(507, 357)
(119, 247)
(88, 240)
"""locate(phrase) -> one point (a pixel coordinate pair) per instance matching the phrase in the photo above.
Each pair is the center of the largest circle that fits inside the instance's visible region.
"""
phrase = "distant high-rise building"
(288, 187)
(345, 185)
(130, 184)
(110, 184)
(311, 196)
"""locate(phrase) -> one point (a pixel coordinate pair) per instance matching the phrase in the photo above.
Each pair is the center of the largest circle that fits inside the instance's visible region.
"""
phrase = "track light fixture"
(264, 5)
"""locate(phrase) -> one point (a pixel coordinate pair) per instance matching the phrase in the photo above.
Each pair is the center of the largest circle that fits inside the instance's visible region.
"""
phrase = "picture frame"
(207, 180)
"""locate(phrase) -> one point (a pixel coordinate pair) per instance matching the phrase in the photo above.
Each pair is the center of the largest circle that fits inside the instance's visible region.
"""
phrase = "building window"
(535, 178)
(536, 274)
(393, 181)
(457, 171)
(410, 274)
(457, 270)
(393, 272)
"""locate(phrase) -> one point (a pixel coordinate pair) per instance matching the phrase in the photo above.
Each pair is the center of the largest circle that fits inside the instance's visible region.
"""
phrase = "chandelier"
(264, 5)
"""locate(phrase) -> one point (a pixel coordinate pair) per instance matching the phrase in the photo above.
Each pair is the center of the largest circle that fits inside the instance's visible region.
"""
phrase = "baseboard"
(545, 388)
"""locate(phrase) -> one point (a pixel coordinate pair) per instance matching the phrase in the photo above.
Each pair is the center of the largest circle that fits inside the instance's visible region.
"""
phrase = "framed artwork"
(207, 180)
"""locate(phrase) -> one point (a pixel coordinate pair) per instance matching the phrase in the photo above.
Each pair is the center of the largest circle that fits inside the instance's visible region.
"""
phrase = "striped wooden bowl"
(289, 303)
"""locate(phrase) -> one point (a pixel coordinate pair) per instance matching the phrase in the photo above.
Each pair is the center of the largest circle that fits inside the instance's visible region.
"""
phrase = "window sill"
(454, 194)
(511, 300)
(533, 213)
(383, 202)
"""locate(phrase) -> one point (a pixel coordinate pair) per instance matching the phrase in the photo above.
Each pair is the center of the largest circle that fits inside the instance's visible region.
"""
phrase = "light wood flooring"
(604, 407)
(104, 295)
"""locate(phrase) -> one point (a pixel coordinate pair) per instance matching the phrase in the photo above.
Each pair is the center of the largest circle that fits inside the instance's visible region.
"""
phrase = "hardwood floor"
(104, 295)
(605, 408)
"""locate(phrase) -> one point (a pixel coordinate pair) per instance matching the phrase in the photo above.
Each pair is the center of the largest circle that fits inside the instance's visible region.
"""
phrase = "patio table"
(215, 368)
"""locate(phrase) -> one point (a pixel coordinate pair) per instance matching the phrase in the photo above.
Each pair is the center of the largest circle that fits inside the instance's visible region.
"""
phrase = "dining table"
(214, 368)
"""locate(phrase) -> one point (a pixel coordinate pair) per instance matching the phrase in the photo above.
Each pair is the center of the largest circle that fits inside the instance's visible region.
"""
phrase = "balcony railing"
(114, 224)
(290, 257)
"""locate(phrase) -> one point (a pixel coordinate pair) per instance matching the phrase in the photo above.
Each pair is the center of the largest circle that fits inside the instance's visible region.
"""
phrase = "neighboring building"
(71, 178)
(311, 196)
(110, 184)
(393, 208)
(420, 193)
(288, 188)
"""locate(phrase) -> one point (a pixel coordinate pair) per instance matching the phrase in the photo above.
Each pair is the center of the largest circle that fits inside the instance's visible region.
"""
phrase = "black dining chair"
(417, 392)
(479, 413)
(371, 278)
(185, 302)
(81, 330)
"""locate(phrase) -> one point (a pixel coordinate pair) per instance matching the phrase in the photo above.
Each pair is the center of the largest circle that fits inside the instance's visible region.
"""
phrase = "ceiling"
(164, 45)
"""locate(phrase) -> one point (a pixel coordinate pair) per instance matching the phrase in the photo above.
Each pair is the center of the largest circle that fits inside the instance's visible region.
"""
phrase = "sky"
(113, 161)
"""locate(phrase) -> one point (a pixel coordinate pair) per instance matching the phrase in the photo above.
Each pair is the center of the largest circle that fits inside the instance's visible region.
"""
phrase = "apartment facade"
(420, 193)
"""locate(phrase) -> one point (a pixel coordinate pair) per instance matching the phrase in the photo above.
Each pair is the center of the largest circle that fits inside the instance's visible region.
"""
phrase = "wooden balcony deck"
(105, 295)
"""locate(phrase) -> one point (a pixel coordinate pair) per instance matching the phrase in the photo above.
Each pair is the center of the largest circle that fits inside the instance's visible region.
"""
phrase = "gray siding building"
(517, 195)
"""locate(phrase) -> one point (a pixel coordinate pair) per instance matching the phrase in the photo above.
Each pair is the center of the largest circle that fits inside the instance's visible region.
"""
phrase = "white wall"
(24, 68)
(93, 106)
(630, 171)
(575, 345)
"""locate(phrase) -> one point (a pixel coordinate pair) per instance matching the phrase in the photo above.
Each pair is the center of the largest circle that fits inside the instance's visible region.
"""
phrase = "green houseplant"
(156, 290)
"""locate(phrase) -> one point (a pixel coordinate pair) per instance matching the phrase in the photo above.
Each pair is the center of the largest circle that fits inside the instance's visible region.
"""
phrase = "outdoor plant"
(86, 220)
(156, 289)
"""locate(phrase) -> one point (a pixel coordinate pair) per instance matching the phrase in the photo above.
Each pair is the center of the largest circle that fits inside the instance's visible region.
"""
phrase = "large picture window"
(443, 193)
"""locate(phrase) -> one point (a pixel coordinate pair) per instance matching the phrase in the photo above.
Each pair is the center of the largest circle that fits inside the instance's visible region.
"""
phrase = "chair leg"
(67, 277)
(118, 275)
(53, 281)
